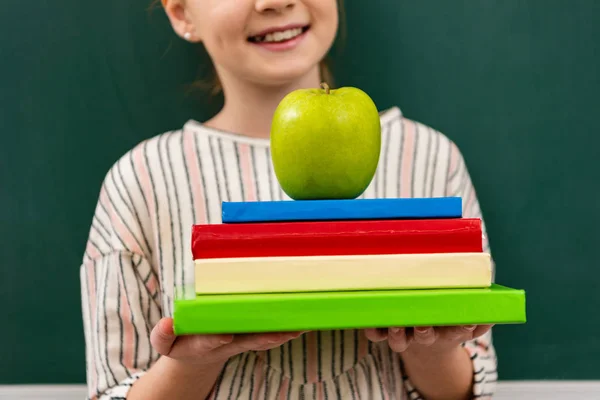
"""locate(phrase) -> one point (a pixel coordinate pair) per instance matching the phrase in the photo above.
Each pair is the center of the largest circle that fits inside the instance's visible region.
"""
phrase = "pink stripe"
(92, 250)
(152, 284)
(93, 323)
(247, 177)
(320, 395)
(121, 228)
(193, 167)
(258, 377)
(482, 343)
(128, 340)
(284, 388)
(142, 172)
(144, 176)
(104, 201)
(407, 159)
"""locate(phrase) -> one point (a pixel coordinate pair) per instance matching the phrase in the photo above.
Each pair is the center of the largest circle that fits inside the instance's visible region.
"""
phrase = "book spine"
(338, 210)
(337, 238)
(209, 314)
(333, 273)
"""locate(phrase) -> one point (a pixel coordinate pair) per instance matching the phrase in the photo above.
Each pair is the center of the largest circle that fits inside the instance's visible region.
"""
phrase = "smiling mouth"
(279, 36)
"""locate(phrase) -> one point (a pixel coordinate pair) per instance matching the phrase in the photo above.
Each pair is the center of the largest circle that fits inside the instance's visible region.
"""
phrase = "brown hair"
(212, 84)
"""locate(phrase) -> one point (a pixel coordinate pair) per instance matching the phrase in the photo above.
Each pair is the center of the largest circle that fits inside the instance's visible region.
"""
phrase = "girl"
(138, 248)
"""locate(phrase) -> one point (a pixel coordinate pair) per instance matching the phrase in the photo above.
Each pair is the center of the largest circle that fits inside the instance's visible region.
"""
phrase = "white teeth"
(279, 36)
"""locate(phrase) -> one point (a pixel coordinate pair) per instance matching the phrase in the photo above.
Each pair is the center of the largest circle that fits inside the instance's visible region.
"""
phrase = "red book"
(322, 238)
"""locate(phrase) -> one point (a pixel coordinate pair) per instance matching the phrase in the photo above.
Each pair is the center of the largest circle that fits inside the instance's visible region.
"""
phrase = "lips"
(279, 35)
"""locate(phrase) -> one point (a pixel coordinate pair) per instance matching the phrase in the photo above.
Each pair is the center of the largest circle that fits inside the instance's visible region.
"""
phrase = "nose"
(274, 6)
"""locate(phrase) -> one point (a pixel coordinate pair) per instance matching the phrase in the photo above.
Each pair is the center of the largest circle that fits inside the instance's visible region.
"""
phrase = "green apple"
(325, 143)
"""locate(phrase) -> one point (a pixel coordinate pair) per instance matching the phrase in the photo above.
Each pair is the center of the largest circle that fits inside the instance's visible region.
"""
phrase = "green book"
(279, 312)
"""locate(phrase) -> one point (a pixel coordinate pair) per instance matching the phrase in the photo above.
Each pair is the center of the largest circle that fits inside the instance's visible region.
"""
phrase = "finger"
(376, 335)
(162, 336)
(164, 340)
(481, 330)
(424, 335)
(467, 330)
(279, 339)
(398, 339)
(455, 333)
(260, 341)
(198, 345)
(273, 343)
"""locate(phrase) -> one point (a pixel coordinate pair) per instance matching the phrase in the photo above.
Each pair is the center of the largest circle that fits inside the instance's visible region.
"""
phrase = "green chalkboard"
(515, 83)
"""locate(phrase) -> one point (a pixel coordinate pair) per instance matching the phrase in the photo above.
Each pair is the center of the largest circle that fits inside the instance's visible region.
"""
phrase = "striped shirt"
(138, 251)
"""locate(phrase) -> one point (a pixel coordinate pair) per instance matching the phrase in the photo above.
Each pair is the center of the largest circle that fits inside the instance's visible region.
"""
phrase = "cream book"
(344, 272)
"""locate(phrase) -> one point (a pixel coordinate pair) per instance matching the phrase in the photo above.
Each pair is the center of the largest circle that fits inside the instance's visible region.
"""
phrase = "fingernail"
(394, 330)
(226, 341)
(469, 327)
(421, 329)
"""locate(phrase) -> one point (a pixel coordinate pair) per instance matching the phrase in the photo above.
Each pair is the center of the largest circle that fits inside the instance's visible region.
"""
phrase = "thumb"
(162, 336)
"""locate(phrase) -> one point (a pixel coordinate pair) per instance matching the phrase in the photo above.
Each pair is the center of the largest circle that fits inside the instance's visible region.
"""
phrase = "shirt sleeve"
(481, 349)
(120, 295)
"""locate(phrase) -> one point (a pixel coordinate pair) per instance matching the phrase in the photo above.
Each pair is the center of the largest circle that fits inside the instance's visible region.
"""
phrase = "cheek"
(221, 25)
(326, 10)
(325, 13)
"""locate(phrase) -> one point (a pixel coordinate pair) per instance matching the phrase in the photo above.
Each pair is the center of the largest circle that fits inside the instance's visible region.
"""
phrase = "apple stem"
(325, 87)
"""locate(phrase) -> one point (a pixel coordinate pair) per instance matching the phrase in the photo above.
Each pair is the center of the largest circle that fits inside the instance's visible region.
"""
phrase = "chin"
(272, 75)
(283, 71)
(288, 75)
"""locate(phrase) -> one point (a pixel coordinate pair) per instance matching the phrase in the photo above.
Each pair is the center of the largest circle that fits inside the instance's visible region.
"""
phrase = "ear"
(182, 25)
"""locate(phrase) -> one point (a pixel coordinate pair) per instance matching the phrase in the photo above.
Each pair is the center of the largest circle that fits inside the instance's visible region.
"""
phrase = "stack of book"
(342, 264)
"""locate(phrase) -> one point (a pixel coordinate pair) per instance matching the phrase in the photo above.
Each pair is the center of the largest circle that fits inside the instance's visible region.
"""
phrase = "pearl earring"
(187, 36)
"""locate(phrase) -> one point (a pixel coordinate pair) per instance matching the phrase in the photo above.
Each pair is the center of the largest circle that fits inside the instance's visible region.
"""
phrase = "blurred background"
(514, 83)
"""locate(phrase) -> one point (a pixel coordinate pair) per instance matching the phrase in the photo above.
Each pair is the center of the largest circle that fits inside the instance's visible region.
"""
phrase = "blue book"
(331, 210)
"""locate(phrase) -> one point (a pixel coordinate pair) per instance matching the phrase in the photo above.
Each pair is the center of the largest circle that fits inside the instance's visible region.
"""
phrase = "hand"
(210, 349)
(429, 340)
